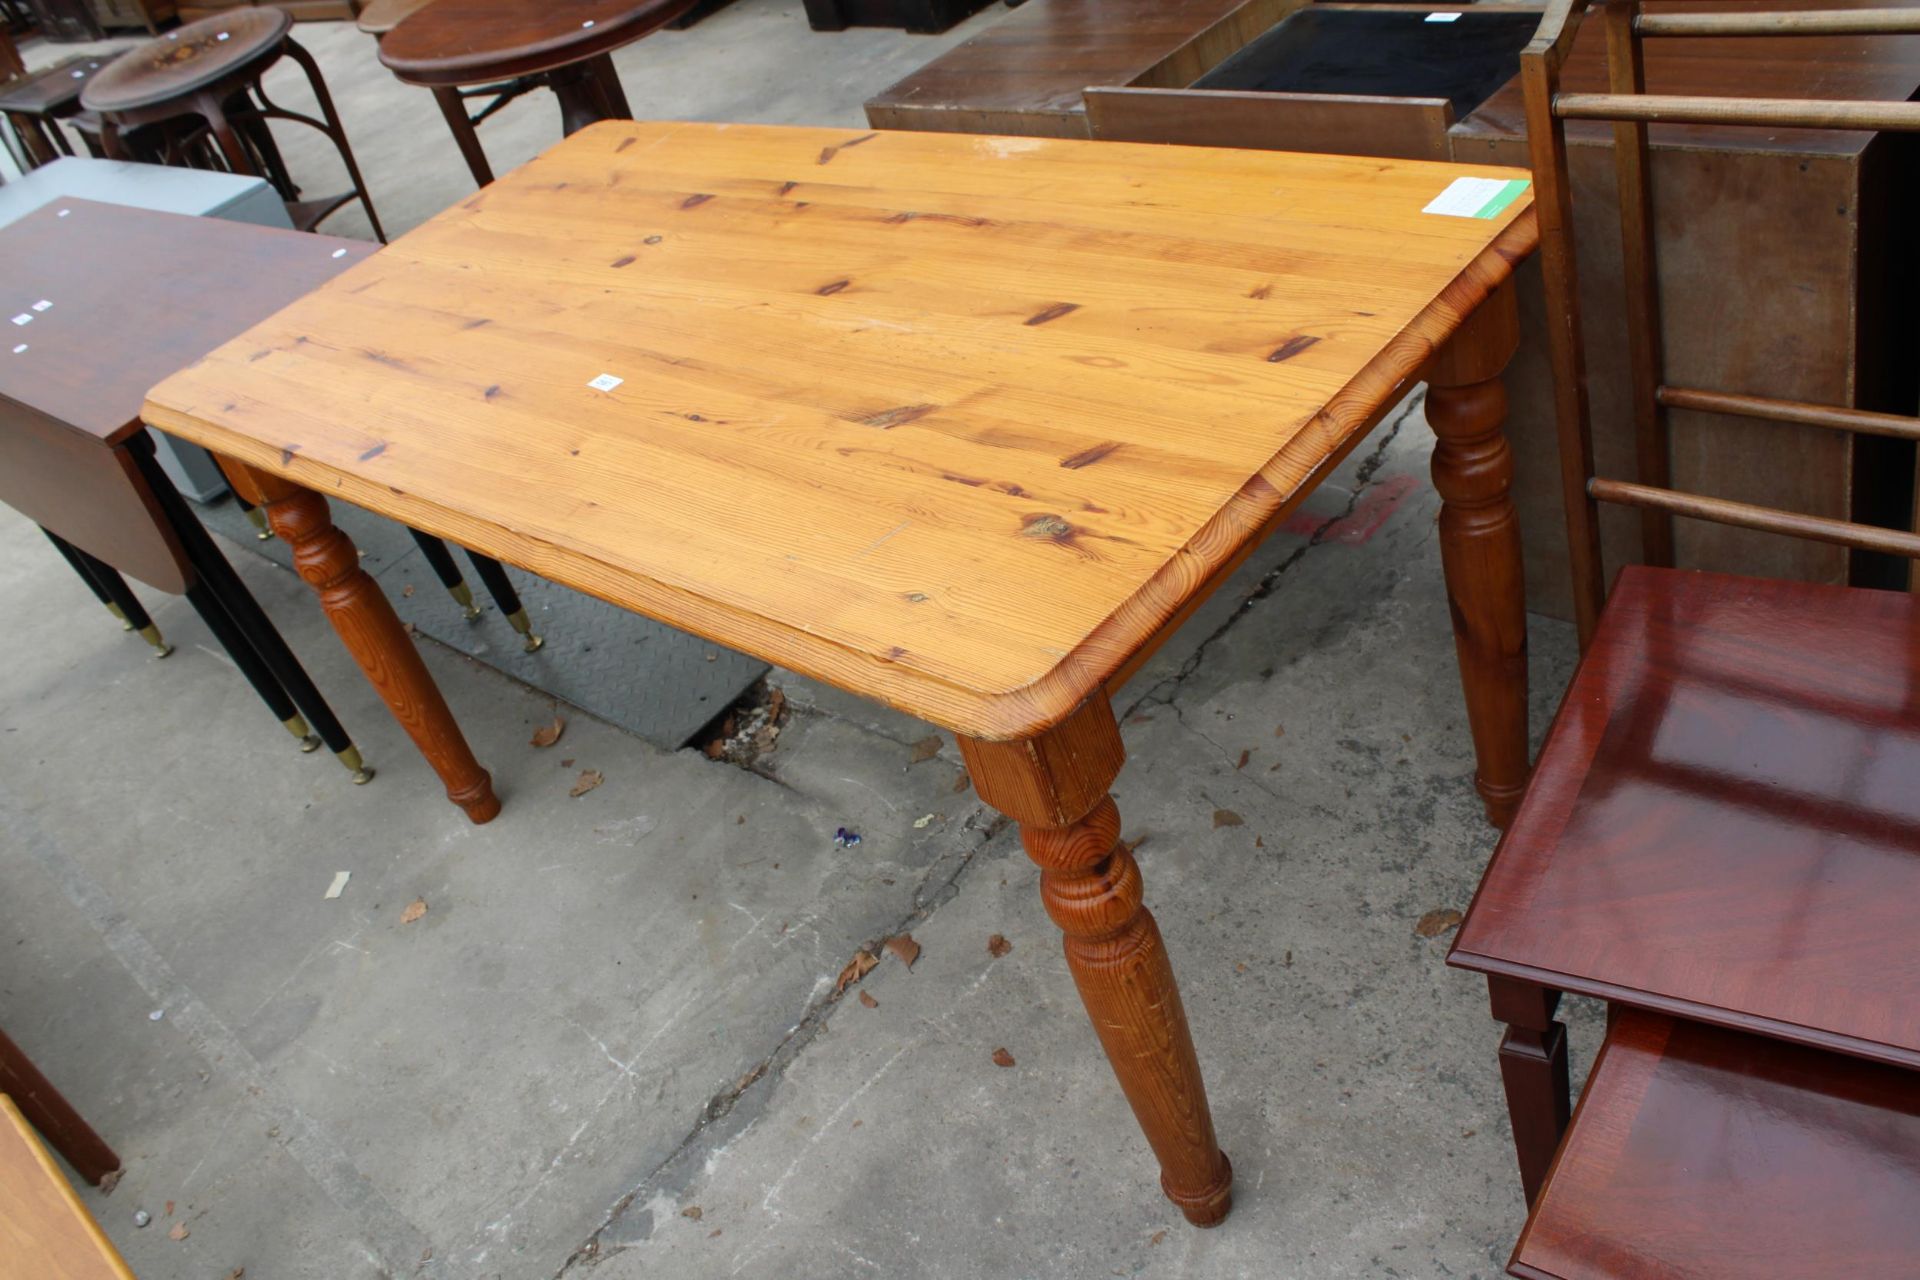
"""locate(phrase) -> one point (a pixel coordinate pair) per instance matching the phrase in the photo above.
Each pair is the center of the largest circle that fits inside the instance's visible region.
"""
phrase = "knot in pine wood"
(1078, 847)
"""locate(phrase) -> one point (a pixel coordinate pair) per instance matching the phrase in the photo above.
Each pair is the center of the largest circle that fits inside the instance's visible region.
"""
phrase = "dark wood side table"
(211, 69)
(103, 300)
(35, 104)
(511, 47)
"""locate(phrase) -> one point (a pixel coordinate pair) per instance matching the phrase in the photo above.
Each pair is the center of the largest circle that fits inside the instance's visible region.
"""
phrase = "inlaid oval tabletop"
(955, 422)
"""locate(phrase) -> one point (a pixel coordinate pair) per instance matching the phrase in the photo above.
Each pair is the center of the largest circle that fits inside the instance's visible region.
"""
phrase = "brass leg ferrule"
(297, 726)
(356, 766)
(259, 520)
(524, 625)
(151, 634)
(463, 595)
(121, 614)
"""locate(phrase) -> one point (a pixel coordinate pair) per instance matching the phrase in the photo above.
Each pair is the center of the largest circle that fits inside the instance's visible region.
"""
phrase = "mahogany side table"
(511, 48)
(1001, 412)
(102, 299)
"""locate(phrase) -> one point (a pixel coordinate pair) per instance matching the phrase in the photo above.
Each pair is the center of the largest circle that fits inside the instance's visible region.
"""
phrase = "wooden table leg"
(1480, 543)
(55, 1118)
(326, 559)
(1055, 786)
(1533, 1069)
(454, 108)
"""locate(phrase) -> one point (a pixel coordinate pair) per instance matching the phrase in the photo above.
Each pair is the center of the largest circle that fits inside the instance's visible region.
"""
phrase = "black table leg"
(251, 665)
(220, 579)
(447, 571)
(113, 591)
(493, 576)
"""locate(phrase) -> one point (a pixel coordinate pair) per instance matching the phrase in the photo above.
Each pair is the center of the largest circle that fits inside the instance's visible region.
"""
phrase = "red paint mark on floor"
(1375, 508)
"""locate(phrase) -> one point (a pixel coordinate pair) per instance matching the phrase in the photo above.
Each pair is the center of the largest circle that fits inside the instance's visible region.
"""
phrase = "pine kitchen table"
(963, 424)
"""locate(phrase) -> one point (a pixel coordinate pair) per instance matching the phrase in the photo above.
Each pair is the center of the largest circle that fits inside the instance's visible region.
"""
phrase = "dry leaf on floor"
(110, 1181)
(998, 946)
(1244, 757)
(415, 909)
(961, 783)
(587, 781)
(1436, 922)
(236, 1273)
(904, 949)
(1001, 1058)
(179, 1232)
(692, 1211)
(1227, 818)
(857, 968)
(1279, 731)
(407, 591)
(548, 734)
(711, 1234)
(925, 749)
(776, 703)
(169, 1210)
(1157, 1237)
(866, 998)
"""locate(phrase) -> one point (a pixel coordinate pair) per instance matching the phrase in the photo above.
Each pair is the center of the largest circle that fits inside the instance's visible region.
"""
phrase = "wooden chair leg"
(1533, 1070)
(454, 108)
(1055, 786)
(325, 558)
(53, 1115)
(1480, 544)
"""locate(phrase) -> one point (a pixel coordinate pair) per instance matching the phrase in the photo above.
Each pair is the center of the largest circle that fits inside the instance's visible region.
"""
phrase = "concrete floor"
(611, 1047)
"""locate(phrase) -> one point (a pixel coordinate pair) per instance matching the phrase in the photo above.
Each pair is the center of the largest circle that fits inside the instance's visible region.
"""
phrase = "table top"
(455, 42)
(46, 1232)
(957, 423)
(50, 90)
(1723, 823)
(191, 57)
(132, 296)
(382, 16)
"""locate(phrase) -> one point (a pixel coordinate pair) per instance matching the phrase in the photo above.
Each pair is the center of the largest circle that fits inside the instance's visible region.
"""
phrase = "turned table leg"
(325, 558)
(1055, 786)
(1480, 544)
(1533, 1070)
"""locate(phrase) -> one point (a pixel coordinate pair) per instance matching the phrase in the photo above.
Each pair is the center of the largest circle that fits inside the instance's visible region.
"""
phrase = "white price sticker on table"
(1443, 17)
(1476, 197)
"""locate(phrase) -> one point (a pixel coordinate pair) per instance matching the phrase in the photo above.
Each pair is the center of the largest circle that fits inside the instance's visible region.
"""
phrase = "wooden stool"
(212, 70)
(511, 48)
(1714, 1155)
(35, 104)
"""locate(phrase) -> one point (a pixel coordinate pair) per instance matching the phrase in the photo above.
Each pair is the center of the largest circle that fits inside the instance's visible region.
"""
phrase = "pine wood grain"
(956, 423)
(46, 1233)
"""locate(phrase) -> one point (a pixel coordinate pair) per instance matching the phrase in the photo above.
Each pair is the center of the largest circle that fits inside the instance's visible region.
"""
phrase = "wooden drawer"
(1349, 78)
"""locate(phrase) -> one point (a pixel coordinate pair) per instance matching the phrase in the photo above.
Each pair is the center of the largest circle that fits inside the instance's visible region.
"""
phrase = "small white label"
(79, 75)
(1476, 197)
(22, 347)
(605, 382)
(224, 35)
(64, 212)
(587, 24)
(23, 318)
(42, 305)
(1443, 17)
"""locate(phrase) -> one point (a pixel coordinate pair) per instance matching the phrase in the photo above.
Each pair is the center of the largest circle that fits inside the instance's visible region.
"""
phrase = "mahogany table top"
(957, 423)
(1723, 824)
(456, 42)
(198, 54)
(132, 296)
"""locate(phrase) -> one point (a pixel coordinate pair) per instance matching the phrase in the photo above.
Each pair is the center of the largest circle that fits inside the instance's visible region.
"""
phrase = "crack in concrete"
(1363, 476)
(723, 1118)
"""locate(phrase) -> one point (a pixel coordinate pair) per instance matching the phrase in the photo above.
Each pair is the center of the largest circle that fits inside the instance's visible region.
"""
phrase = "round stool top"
(190, 58)
(383, 16)
(454, 42)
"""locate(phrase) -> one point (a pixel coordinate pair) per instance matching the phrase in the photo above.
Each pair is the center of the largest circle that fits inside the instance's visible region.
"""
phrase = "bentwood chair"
(1721, 837)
